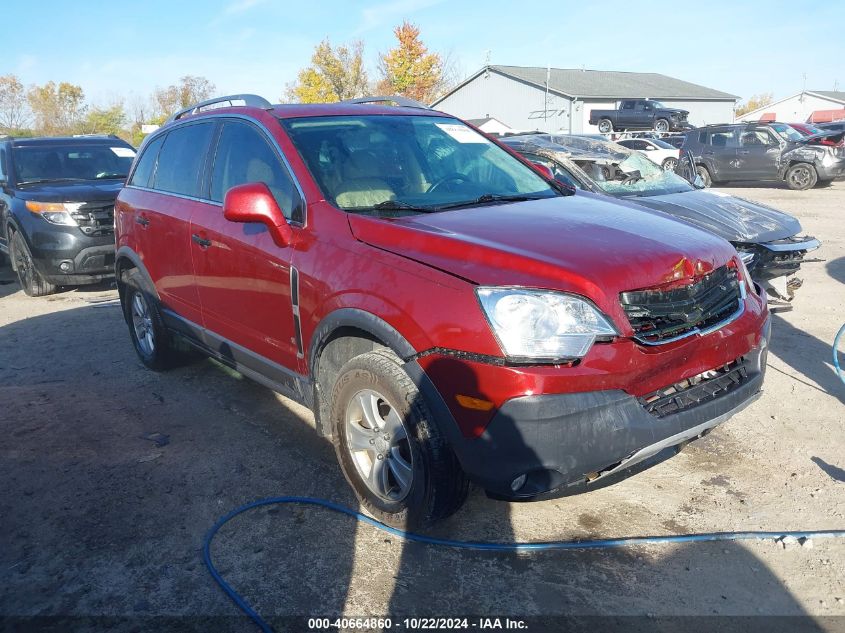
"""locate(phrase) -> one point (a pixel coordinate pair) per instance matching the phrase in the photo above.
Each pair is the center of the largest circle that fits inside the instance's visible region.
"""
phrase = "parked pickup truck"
(640, 114)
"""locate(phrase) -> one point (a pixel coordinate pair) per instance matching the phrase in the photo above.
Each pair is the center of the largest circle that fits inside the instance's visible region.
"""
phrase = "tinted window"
(181, 158)
(724, 137)
(80, 161)
(2, 164)
(244, 155)
(146, 164)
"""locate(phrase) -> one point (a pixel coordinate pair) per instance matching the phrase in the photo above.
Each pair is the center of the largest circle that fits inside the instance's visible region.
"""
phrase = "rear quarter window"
(181, 159)
(146, 163)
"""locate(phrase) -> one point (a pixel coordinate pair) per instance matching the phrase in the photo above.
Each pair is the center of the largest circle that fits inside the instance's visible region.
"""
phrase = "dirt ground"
(99, 516)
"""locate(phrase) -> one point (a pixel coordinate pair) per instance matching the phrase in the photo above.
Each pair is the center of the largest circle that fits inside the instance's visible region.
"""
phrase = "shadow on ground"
(98, 520)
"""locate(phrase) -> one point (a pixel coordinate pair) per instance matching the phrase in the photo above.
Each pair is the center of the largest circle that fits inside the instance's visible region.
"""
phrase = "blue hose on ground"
(475, 545)
(836, 353)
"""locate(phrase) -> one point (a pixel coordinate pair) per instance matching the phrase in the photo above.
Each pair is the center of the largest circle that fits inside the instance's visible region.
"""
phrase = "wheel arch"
(125, 260)
(342, 335)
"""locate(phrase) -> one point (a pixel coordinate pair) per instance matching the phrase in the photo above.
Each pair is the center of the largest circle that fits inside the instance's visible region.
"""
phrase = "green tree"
(109, 120)
(410, 69)
(14, 113)
(754, 102)
(336, 73)
(57, 109)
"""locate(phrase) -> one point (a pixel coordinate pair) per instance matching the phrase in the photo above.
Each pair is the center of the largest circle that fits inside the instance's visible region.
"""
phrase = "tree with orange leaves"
(409, 69)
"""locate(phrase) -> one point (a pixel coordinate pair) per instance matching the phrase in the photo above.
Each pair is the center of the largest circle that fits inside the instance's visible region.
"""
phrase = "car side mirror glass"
(698, 182)
(253, 202)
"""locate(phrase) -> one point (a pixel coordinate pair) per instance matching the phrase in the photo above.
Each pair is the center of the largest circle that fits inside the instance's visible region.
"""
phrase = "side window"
(3, 164)
(724, 137)
(627, 105)
(702, 137)
(757, 136)
(243, 156)
(146, 164)
(640, 106)
(181, 159)
(635, 144)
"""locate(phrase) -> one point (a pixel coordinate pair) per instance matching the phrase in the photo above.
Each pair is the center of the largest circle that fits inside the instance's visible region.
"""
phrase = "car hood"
(734, 219)
(77, 191)
(585, 244)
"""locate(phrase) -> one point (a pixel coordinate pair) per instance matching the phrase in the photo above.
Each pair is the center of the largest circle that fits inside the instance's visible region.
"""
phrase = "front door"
(757, 156)
(243, 277)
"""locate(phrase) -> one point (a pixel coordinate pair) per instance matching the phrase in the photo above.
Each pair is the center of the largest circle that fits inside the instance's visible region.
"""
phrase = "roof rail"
(403, 102)
(253, 101)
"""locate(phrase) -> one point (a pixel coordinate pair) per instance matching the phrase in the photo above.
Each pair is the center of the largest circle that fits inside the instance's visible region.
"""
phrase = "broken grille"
(696, 390)
(662, 316)
(95, 220)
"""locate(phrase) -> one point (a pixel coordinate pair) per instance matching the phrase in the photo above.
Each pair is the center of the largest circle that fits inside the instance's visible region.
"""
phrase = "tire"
(669, 164)
(29, 278)
(801, 176)
(379, 417)
(702, 171)
(605, 126)
(150, 337)
(661, 125)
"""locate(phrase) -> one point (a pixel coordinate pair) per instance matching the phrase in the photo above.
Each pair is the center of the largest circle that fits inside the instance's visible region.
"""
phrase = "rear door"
(627, 114)
(244, 278)
(758, 152)
(719, 152)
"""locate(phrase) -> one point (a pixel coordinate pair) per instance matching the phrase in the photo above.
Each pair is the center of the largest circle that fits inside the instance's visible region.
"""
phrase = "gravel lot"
(101, 517)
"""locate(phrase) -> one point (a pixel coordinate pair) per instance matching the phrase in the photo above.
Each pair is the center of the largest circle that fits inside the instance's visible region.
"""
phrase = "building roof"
(835, 95)
(602, 84)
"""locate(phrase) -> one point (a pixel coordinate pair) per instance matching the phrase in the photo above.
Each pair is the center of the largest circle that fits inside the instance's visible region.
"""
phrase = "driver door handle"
(203, 243)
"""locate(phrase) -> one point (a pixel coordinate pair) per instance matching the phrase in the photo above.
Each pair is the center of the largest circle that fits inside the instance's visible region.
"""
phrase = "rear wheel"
(605, 126)
(801, 176)
(702, 171)
(389, 448)
(149, 335)
(29, 278)
(661, 125)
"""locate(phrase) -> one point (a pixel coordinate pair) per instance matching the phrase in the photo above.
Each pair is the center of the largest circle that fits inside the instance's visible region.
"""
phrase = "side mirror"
(698, 182)
(253, 202)
(544, 169)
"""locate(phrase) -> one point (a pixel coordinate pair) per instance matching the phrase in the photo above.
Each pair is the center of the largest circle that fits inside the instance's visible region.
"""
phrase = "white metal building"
(519, 97)
(798, 108)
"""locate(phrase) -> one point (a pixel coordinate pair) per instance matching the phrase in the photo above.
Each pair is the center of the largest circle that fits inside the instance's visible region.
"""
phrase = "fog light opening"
(519, 482)
(66, 267)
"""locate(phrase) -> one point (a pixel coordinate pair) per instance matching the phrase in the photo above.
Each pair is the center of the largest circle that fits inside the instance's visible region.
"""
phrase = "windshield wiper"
(489, 197)
(396, 205)
(38, 181)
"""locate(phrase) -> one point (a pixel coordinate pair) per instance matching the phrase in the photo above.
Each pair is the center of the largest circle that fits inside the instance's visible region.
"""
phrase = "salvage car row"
(452, 311)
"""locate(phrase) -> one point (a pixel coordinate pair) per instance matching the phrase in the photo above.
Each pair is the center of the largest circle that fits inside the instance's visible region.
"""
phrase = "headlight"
(54, 212)
(541, 325)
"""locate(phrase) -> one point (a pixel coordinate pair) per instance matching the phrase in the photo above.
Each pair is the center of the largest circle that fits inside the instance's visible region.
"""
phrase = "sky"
(124, 50)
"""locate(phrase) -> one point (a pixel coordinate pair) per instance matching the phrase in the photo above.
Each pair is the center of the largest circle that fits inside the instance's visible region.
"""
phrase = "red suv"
(447, 312)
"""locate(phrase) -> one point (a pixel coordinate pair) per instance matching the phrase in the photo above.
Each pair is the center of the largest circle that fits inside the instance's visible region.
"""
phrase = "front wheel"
(29, 278)
(390, 449)
(801, 176)
(669, 164)
(661, 125)
(605, 126)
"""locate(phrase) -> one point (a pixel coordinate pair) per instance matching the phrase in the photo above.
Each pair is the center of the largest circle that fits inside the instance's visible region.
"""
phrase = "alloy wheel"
(800, 177)
(143, 324)
(379, 446)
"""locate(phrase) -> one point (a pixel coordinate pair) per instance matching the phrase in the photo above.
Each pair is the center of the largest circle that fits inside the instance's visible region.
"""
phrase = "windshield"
(662, 144)
(787, 132)
(657, 105)
(635, 175)
(409, 164)
(47, 163)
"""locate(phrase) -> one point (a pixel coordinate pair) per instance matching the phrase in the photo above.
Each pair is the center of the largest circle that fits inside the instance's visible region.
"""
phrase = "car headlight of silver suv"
(543, 325)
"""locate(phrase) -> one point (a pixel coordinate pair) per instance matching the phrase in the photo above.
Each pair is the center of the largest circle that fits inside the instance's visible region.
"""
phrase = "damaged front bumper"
(774, 264)
(551, 445)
